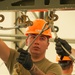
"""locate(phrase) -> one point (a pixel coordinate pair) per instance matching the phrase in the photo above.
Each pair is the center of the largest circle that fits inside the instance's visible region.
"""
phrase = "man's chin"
(35, 53)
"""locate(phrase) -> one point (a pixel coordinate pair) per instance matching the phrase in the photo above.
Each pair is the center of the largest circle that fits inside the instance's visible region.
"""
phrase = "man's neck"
(65, 72)
(37, 58)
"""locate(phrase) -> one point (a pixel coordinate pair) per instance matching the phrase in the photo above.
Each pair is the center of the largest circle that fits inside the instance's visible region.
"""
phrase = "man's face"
(39, 46)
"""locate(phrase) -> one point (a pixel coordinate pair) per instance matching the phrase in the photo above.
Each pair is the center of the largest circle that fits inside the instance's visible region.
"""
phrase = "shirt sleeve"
(55, 68)
(12, 59)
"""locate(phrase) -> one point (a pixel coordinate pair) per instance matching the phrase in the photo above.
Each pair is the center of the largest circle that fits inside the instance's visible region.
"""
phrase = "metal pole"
(9, 35)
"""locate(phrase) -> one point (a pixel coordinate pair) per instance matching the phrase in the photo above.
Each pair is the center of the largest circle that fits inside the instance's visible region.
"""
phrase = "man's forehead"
(39, 35)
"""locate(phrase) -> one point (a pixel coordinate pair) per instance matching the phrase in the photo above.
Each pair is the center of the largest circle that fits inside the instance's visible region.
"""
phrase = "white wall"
(65, 22)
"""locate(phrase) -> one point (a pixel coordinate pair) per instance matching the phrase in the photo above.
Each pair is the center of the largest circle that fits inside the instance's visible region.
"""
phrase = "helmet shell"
(37, 27)
(65, 58)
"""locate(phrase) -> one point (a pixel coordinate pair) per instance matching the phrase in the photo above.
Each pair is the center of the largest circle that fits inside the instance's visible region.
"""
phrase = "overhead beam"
(15, 5)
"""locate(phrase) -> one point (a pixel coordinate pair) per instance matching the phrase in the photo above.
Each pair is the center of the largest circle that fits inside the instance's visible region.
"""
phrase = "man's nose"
(37, 40)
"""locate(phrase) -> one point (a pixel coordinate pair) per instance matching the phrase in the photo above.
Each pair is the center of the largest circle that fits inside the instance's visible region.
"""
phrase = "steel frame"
(37, 4)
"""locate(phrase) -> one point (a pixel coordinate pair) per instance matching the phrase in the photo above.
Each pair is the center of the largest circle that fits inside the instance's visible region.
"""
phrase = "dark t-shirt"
(45, 65)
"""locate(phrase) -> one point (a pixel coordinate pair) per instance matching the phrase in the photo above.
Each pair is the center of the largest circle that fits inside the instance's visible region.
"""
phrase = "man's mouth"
(35, 47)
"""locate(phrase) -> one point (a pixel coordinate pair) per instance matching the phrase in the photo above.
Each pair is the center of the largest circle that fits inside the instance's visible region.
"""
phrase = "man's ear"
(26, 42)
(48, 45)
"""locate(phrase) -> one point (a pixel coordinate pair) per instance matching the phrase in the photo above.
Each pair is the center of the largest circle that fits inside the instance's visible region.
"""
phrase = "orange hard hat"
(65, 58)
(37, 27)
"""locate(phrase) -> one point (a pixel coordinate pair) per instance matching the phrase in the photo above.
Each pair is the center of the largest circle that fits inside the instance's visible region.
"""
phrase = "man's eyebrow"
(42, 35)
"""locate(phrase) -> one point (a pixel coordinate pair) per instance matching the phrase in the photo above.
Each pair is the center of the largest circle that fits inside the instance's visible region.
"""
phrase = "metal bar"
(36, 4)
(68, 40)
(11, 40)
(35, 15)
(9, 35)
(23, 36)
(41, 15)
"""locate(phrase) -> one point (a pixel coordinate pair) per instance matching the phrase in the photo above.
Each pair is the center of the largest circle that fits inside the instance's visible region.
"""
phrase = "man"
(60, 50)
(33, 60)
(66, 64)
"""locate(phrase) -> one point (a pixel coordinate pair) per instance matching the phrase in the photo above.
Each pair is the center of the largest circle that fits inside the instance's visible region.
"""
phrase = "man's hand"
(25, 59)
(59, 49)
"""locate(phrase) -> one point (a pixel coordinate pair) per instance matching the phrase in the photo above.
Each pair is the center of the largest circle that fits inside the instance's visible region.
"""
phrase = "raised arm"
(4, 51)
(61, 51)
